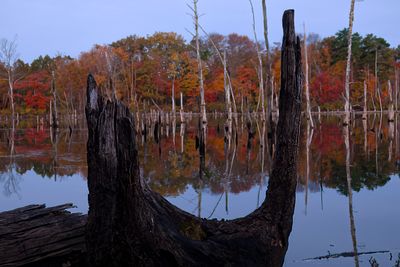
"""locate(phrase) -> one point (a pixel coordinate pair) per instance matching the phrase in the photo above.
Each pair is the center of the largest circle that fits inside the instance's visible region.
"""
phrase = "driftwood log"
(129, 225)
(38, 236)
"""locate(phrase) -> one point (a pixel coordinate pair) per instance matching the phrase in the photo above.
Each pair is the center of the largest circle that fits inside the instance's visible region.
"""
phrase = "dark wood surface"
(36, 235)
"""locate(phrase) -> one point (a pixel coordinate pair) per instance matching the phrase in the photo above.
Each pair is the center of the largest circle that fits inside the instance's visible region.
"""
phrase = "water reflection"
(49, 154)
(234, 172)
(240, 163)
(234, 162)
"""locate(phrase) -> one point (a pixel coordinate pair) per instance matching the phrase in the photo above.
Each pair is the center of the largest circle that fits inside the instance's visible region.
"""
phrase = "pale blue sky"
(73, 26)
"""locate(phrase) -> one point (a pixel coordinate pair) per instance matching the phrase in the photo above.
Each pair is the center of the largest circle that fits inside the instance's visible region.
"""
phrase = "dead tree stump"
(129, 225)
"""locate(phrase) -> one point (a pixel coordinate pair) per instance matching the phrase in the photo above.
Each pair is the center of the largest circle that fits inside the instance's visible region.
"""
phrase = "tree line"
(154, 70)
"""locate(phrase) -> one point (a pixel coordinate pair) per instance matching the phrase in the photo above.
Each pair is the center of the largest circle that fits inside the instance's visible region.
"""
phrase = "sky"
(69, 27)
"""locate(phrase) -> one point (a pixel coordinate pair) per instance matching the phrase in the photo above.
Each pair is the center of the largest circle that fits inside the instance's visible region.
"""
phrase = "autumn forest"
(229, 149)
(145, 69)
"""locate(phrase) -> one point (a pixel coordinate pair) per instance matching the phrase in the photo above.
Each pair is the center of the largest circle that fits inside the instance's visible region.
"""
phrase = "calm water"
(53, 171)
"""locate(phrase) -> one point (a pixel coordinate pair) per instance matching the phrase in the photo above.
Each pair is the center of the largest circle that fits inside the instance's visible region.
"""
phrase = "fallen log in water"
(346, 254)
(38, 236)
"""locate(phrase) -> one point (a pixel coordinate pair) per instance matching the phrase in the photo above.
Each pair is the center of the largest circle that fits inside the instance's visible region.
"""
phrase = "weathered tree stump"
(129, 225)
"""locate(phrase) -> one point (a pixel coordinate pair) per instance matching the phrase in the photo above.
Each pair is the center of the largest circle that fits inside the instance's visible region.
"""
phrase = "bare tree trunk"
(260, 66)
(8, 58)
(365, 110)
(11, 94)
(223, 61)
(309, 116)
(199, 63)
(390, 137)
(54, 115)
(391, 108)
(348, 66)
(380, 100)
(181, 111)
(396, 88)
(182, 134)
(173, 96)
(271, 99)
(228, 106)
(377, 89)
(269, 91)
(319, 114)
(50, 112)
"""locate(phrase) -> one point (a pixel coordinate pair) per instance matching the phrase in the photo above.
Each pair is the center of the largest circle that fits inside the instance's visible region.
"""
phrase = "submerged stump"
(129, 225)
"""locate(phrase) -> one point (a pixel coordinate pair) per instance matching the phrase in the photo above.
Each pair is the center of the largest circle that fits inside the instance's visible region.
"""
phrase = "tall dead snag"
(396, 89)
(260, 67)
(181, 110)
(9, 57)
(203, 112)
(129, 225)
(269, 82)
(365, 110)
(348, 66)
(173, 97)
(309, 117)
(377, 89)
(229, 95)
(54, 113)
(391, 105)
(228, 104)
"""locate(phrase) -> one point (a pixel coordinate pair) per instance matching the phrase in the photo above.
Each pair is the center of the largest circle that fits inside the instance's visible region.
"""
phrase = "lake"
(51, 168)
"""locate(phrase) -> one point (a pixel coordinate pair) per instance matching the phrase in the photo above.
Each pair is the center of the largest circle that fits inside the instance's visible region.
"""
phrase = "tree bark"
(365, 110)
(260, 67)
(396, 89)
(54, 115)
(11, 94)
(270, 91)
(228, 105)
(348, 66)
(130, 225)
(309, 116)
(199, 63)
(181, 110)
(173, 96)
(391, 106)
(223, 61)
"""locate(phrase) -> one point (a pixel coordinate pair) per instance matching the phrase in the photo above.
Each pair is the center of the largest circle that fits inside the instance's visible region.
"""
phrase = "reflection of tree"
(326, 163)
(363, 175)
(10, 177)
(176, 171)
(346, 130)
(10, 180)
(365, 172)
(33, 152)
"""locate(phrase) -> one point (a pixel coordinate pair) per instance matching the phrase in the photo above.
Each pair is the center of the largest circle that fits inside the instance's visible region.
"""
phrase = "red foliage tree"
(33, 91)
(327, 89)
